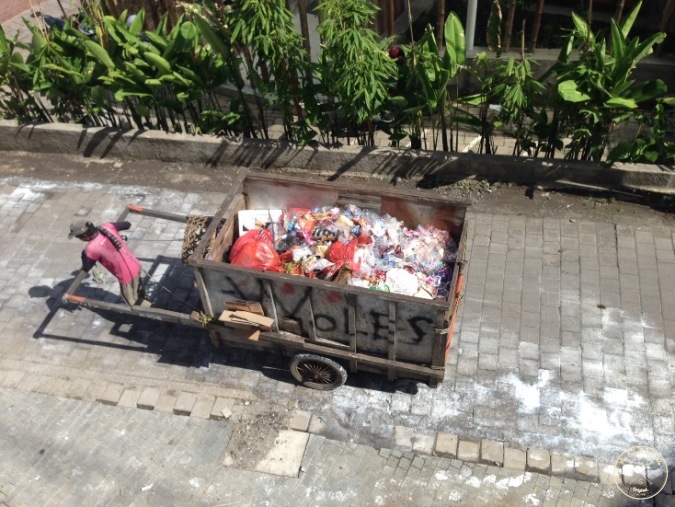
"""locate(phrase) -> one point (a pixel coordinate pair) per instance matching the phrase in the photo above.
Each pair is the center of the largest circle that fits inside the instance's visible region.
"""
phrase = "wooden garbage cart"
(327, 328)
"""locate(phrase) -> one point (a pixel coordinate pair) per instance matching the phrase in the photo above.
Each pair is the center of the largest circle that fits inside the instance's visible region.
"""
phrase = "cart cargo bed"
(377, 331)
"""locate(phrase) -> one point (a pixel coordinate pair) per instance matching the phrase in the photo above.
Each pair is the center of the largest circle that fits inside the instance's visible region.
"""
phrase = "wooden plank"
(310, 317)
(365, 189)
(164, 215)
(228, 201)
(270, 304)
(351, 328)
(140, 311)
(391, 372)
(203, 292)
(225, 238)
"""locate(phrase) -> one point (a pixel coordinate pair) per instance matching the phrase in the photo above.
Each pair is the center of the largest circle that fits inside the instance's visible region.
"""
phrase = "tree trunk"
(304, 28)
(390, 22)
(667, 18)
(670, 10)
(509, 25)
(536, 25)
(440, 23)
(619, 10)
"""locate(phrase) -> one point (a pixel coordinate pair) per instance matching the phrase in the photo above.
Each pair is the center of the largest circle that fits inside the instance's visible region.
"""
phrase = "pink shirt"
(121, 263)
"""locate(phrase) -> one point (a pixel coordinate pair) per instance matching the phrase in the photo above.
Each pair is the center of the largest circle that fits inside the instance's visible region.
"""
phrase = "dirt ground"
(488, 197)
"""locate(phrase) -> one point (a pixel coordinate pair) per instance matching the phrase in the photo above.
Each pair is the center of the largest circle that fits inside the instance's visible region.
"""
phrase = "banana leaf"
(99, 53)
(160, 63)
(569, 92)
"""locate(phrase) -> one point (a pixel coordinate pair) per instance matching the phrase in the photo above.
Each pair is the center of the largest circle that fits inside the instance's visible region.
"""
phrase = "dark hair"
(90, 229)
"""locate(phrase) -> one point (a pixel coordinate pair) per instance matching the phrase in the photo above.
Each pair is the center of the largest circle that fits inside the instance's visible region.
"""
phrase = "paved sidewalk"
(82, 453)
(565, 349)
(13, 12)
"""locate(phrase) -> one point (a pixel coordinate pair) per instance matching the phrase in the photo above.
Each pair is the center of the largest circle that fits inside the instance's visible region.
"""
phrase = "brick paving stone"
(562, 465)
(586, 468)
(78, 388)
(514, 459)
(446, 445)
(300, 420)
(112, 394)
(13, 379)
(129, 397)
(222, 408)
(184, 403)
(148, 398)
(468, 451)
(538, 460)
(43, 384)
(28, 383)
(491, 452)
(166, 402)
(95, 390)
(203, 406)
(60, 388)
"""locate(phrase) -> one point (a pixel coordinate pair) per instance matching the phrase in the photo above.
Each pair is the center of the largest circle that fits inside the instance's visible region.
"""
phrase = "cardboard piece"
(250, 219)
(249, 333)
(243, 319)
(245, 306)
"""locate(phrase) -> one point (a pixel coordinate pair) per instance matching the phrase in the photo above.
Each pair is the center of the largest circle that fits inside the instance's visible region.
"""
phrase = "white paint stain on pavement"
(531, 499)
(605, 423)
(474, 482)
(527, 395)
(342, 497)
(442, 476)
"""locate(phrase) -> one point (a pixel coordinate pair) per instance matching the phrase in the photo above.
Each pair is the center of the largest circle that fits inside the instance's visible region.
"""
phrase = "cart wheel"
(317, 372)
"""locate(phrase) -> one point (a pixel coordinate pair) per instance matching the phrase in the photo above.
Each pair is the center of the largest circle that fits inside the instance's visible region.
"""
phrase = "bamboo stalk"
(440, 23)
(509, 25)
(536, 25)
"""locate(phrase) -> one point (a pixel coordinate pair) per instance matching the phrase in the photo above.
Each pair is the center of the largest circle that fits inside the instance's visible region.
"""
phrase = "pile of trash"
(347, 245)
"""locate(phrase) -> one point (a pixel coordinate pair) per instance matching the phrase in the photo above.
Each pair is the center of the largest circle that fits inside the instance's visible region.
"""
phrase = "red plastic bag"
(255, 249)
(341, 253)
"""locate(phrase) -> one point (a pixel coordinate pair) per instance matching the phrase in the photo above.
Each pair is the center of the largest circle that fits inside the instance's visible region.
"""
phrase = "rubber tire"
(337, 374)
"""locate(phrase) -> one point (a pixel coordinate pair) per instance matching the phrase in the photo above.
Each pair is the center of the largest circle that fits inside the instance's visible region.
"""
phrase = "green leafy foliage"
(595, 92)
(354, 67)
(121, 74)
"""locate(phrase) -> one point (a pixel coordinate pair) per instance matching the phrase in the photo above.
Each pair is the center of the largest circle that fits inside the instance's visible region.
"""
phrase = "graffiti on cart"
(293, 302)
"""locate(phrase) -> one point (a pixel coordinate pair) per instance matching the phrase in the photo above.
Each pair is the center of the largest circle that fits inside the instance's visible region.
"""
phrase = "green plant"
(212, 22)
(651, 144)
(354, 66)
(595, 92)
(517, 92)
(281, 68)
(424, 80)
(16, 77)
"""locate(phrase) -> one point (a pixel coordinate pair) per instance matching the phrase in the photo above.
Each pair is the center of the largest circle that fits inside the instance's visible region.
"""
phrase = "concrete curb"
(434, 168)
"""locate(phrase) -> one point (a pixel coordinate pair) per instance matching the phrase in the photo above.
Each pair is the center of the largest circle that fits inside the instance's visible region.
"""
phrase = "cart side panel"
(303, 310)
(228, 285)
(416, 330)
(403, 331)
(264, 194)
(330, 314)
